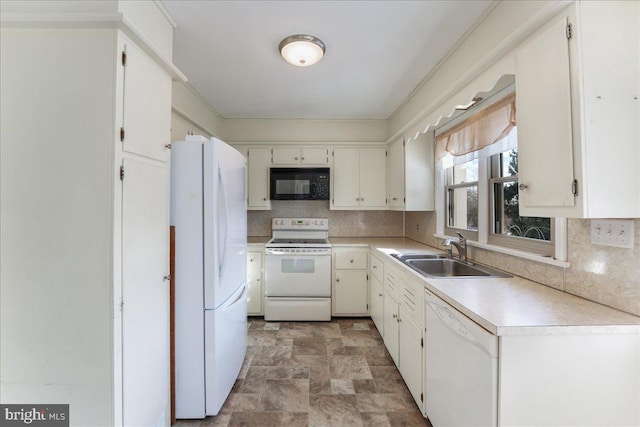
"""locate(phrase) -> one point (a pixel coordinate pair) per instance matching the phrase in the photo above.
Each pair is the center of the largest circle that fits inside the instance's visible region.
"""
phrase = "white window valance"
(480, 130)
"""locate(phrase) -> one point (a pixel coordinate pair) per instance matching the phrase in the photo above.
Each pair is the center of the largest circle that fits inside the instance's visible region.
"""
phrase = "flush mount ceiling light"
(302, 50)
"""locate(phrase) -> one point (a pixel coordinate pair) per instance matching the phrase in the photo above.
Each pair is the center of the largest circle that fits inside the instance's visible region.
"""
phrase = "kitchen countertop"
(503, 306)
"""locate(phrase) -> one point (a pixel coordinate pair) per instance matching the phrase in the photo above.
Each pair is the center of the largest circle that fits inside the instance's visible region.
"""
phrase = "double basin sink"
(441, 266)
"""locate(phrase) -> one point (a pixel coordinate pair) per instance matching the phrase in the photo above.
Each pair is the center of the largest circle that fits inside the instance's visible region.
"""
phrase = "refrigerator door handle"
(222, 243)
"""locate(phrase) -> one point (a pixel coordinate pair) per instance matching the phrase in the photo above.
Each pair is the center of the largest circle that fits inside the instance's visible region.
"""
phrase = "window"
(477, 156)
(462, 198)
(508, 228)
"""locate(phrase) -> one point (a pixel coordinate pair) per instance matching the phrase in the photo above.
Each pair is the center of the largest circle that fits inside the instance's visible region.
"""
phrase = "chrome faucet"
(461, 246)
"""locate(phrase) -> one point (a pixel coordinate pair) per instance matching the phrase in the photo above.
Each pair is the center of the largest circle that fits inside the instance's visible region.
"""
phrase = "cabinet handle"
(351, 261)
(523, 187)
(395, 316)
(167, 277)
(168, 146)
(264, 198)
(302, 158)
(399, 320)
(379, 295)
(375, 266)
(295, 158)
(362, 199)
(395, 198)
(337, 280)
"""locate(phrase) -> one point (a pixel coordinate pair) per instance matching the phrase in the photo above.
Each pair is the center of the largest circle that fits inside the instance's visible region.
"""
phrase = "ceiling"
(377, 53)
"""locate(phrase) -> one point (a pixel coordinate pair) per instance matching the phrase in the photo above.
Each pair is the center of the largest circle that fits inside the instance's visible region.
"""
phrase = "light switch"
(613, 232)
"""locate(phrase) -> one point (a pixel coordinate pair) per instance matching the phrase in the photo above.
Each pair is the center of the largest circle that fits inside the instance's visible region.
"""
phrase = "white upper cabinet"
(146, 122)
(396, 175)
(577, 88)
(293, 156)
(411, 174)
(359, 178)
(258, 160)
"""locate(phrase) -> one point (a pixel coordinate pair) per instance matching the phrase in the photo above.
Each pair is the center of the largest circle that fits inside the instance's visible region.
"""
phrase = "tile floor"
(334, 373)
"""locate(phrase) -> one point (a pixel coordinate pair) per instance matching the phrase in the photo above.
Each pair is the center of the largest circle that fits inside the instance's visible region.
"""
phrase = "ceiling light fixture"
(302, 50)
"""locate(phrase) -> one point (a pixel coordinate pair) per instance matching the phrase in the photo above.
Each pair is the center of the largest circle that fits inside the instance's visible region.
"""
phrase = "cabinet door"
(145, 292)
(411, 361)
(285, 156)
(346, 177)
(396, 174)
(258, 172)
(350, 292)
(314, 156)
(147, 105)
(254, 281)
(390, 326)
(351, 260)
(377, 304)
(372, 176)
(545, 148)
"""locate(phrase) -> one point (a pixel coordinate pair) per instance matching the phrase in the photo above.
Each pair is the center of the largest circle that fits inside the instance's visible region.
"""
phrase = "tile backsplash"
(341, 223)
(607, 275)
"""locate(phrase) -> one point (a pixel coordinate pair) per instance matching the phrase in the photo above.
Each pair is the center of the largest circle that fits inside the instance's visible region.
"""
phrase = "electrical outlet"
(613, 232)
(417, 227)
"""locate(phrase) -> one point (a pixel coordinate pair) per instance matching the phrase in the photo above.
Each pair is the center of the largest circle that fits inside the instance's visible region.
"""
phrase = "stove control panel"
(300, 224)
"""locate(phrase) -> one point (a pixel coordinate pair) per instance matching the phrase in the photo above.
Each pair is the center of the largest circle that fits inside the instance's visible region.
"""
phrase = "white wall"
(479, 60)
(301, 130)
(190, 113)
(56, 150)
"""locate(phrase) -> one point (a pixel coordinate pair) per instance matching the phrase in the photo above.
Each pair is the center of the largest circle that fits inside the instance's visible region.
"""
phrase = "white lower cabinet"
(376, 303)
(376, 293)
(566, 377)
(254, 282)
(403, 328)
(350, 296)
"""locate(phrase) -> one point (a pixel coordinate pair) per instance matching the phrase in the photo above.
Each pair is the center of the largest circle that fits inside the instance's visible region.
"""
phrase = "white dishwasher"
(461, 368)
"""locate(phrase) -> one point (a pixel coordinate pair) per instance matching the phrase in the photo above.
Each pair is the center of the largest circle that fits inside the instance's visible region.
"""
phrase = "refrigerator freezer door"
(225, 348)
(225, 222)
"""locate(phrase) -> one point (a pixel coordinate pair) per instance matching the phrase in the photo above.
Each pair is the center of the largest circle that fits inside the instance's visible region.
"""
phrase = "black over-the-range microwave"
(299, 183)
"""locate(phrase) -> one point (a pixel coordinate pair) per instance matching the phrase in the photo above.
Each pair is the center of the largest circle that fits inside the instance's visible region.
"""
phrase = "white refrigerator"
(208, 210)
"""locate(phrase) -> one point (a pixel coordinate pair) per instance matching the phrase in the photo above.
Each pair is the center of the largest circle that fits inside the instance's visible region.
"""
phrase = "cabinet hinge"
(421, 397)
(121, 134)
(569, 31)
(121, 173)
(574, 187)
(124, 58)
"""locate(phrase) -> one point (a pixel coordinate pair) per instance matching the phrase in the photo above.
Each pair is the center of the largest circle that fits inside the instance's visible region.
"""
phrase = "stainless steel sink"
(410, 257)
(440, 266)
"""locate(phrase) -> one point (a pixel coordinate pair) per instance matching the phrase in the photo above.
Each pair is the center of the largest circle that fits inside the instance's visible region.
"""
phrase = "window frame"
(467, 233)
(537, 246)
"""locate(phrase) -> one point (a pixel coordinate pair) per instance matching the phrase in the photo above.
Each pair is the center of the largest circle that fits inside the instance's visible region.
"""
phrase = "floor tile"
(329, 374)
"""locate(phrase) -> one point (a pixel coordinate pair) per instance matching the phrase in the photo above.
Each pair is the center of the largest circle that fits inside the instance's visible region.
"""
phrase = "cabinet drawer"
(411, 299)
(377, 268)
(392, 282)
(351, 261)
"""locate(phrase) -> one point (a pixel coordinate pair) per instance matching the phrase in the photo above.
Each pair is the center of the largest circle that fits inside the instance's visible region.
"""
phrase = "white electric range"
(298, 270)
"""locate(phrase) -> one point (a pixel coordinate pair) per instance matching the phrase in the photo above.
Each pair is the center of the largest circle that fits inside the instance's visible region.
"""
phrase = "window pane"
(466, 172)
(463, 207)
(509, 163)
(508, 220)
